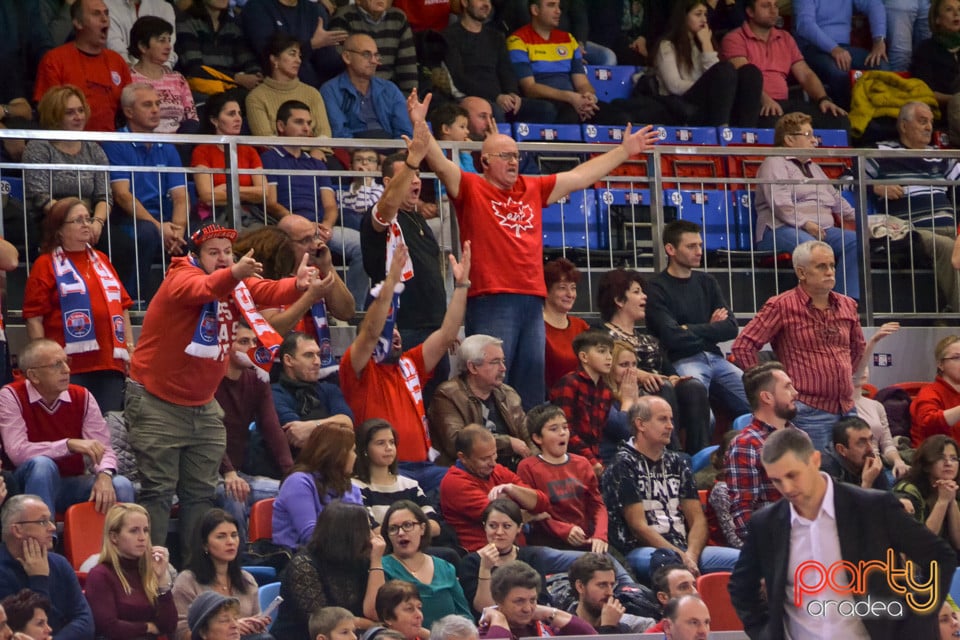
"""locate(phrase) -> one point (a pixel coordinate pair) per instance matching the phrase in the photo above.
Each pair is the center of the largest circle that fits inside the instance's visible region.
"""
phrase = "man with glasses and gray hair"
(53, 432)
(28, 562)
(478, 395)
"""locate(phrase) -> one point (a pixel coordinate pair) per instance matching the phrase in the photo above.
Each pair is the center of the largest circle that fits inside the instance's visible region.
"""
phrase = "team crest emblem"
(118, 327)
(78, 324)
(208, 327)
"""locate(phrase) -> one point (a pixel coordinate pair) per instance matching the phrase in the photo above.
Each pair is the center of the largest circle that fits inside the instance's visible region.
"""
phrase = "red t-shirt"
(505, 229)
(560, 358)
(41, 299)
(380, 392)
(101, 78)
(425, 14)
(210, 155)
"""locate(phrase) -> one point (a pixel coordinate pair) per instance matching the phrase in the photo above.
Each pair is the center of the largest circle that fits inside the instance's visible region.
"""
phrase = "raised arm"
(443, 338)
(396, 192)
(369, 332)
(446, 169)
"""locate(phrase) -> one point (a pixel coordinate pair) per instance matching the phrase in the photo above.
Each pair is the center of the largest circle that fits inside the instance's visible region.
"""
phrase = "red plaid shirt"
(586, 405)
(748, 484)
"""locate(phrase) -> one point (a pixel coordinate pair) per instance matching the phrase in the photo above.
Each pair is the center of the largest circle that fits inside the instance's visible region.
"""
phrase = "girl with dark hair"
(150, 45)
(405, 529)
(930, 487)
(340, 566)
(320, 475)
(375, 474)
(622, 306)
(710, 92)
(217, 568)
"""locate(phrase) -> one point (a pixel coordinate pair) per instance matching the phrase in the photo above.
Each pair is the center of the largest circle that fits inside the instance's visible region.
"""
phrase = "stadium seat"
(571, 222)
(712, 209)
(712, 588)
(266, 594)
(533, 132)
(701, 458)
(955, 586)
(611, 83)
(741, 422)
(82, 535)
(912, 388)
(263, 575)
(261, 520)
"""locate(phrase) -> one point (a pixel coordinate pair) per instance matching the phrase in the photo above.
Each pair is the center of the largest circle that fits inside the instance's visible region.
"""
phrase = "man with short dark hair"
(671, 581)
(477, 479)
(686, 618)
(593, 578)
(851, 458)
(793, 545)
(687, 312)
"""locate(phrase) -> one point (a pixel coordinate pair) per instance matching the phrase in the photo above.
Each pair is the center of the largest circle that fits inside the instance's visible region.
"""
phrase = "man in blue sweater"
(687, 312)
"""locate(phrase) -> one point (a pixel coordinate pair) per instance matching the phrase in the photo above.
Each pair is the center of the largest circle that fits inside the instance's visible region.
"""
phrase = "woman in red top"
(936, 409)
(561, 277)
(225, 118)
(74, 297)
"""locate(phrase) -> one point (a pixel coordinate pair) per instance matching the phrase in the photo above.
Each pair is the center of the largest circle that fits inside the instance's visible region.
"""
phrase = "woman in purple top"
(321, 474)
(130, 590)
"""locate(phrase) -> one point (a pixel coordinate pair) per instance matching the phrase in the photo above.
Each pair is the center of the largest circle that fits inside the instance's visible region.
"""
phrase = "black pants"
(725, 95)
(821, 120)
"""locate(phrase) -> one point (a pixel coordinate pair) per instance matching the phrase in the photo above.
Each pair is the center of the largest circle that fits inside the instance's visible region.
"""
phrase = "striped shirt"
(394, 38)
(550, 62)
(922, 202)
(818, 347)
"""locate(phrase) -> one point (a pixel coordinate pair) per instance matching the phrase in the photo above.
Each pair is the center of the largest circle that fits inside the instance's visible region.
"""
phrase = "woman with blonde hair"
(936, 409)
(129, 591)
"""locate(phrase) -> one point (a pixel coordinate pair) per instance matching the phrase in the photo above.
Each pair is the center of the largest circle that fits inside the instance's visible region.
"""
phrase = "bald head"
(500, 158)
(479, 115)
(302, 232)
(361, 56)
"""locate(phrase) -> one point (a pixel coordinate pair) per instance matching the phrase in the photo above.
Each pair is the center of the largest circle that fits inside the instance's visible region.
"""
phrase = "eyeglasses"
(407, 527)
(366, 55)
(59, 365)
(953, 459)
(314, 237)
(506, 155)
(497, 362)
(45, 522)
(805, 134)
(84, 221)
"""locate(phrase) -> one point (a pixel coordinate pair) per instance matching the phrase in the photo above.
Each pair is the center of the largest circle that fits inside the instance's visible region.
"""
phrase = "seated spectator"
(70, 277)
(388, 27)
(311, 196)
(65, 108)
(723, 531)
(936, 409)
(29, 529)
(622, 381)
(561, 277)
(151, 44)
(851, 458)
(340, 566)
(129, 590)
(308, 22)
(930, 58)
(304, 402)
(926, 210)
(477, 479)
(28, 617)
(379, 379)
(478, 395)
(218, 569)
(53, 432)
(790, 212)
(686, 617)
(321, 474)
(584, 396)
(574, 17)
(711, 93)
(246, 398)
(622, 305)
(209, 35)
(489, 77)
(405, 530)
(772, 397)
(652, 500)
(363, 192)
(349, 95)
(454, 627)
(27, 36)
(578, 517)
(125, 13)
(225, 118)
(87, 63)
(213, 616)
(949, 621)
(150, 208)
(931, 487)
(282, 61)
(671, 581)
(560, 77)
(399, 609)
(875, 415)
(761, 43)
(592, 578)
(514, 588)
(375, 474)
(328, 623)
(823, 34)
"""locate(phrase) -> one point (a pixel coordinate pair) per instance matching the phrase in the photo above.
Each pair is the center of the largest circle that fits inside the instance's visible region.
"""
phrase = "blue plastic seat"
(266, 594)
(701, 458)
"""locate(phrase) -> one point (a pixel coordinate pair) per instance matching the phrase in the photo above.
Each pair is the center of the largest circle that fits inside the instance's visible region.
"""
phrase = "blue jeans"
(599, 55)
(346, 242)
(518, 321)
(835, 80)
(549, 560)
(712, 560)
(41, 477)
(817, 424)
(722, 378)
(845, 252)
(261, 488)
(907, 26)
(427, 474)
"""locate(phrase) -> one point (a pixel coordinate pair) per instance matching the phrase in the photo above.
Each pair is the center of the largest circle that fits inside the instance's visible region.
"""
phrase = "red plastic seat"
(82, 535)
(261, 520)
(713, 589)
(912, 388)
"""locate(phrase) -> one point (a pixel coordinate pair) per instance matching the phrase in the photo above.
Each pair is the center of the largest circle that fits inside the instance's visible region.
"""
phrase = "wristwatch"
(110, 472)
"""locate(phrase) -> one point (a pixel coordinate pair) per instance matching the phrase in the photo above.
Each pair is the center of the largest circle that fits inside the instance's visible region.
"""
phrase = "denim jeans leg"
(346, 242)
(713, 559)
(74, 490)
(844, 244)
(816, 423)
(40, 477)
(727, 385)
(639, 561)
(518, 321)
(427, 474)
(599, 55)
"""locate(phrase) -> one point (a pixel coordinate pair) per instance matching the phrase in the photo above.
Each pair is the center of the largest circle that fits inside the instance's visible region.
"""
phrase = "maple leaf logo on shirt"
(513, 215)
